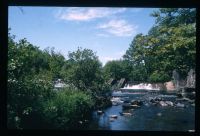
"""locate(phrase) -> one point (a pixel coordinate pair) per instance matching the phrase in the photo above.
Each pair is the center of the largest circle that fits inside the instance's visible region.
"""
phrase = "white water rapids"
(145, 86)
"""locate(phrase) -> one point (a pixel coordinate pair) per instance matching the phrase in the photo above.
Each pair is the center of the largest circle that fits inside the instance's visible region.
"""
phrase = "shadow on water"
(148, 117)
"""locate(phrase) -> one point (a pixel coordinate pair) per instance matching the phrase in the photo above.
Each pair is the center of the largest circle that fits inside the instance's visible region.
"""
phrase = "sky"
(106, 31)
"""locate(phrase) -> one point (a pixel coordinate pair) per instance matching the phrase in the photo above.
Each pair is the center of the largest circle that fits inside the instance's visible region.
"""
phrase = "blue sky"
(107, 31)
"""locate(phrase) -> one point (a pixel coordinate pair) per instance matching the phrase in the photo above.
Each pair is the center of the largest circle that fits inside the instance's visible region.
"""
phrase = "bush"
(25, 99)
(67, 108)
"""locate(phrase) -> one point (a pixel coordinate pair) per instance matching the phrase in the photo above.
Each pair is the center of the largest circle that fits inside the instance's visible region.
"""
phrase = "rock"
(157, 99)
(127, 114)
(80, 122)
(193, 104)
(186, 99)
(152, 101)
(115, 103)
(146, 104)
(115, 99)
(111, 119)
(159, 114)
(191, 79)
(179, 95)
(136, 102)
(162, 103)
(191, 130)
(190, 95)
(135, 106)
(169, 103)
(113, 116)
(189, 100)
(99, 112)
(180, 105)
(189, 90)
(86, 120)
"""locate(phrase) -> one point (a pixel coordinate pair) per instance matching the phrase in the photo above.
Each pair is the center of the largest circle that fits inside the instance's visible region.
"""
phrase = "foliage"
(85, 71)
(31, 97)
(169, 45)
(67, 108)
(25, 91)
(159, 77)
(116, 69)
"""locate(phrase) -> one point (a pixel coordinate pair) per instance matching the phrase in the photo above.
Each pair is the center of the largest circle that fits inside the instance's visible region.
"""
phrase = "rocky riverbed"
(142, 110)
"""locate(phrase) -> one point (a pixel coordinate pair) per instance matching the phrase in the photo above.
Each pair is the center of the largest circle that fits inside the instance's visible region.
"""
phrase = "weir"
(144, 86)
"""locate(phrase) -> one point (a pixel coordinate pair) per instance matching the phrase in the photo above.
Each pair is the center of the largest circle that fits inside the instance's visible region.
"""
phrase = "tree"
(173, 17)
(170, 44)
(85, 71)
(28, 84)
(175, 28)
(116, 69)
(31, 96)
(137, 56)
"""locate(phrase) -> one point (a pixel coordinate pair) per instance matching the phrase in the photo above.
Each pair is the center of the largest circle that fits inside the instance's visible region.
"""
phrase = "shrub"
(67, 108)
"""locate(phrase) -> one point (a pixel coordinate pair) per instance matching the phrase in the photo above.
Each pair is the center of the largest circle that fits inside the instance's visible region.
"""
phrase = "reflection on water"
(148, 117)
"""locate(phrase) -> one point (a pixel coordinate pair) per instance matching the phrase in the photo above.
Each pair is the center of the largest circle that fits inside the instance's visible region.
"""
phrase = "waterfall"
(144, 86)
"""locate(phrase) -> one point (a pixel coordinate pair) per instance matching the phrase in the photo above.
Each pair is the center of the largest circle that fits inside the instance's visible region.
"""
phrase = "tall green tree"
(85, 72)
(176, 30)
(170, 44)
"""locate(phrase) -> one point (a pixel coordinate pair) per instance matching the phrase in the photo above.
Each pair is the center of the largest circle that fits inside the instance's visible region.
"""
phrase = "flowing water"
(148, 117)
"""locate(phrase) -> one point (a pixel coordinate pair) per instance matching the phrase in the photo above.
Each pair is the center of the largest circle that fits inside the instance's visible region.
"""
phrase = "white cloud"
(119, 28)
(86, 14)
(102, 35)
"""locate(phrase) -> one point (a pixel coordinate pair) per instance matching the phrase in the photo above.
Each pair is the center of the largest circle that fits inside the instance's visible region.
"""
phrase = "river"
(148, 117)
